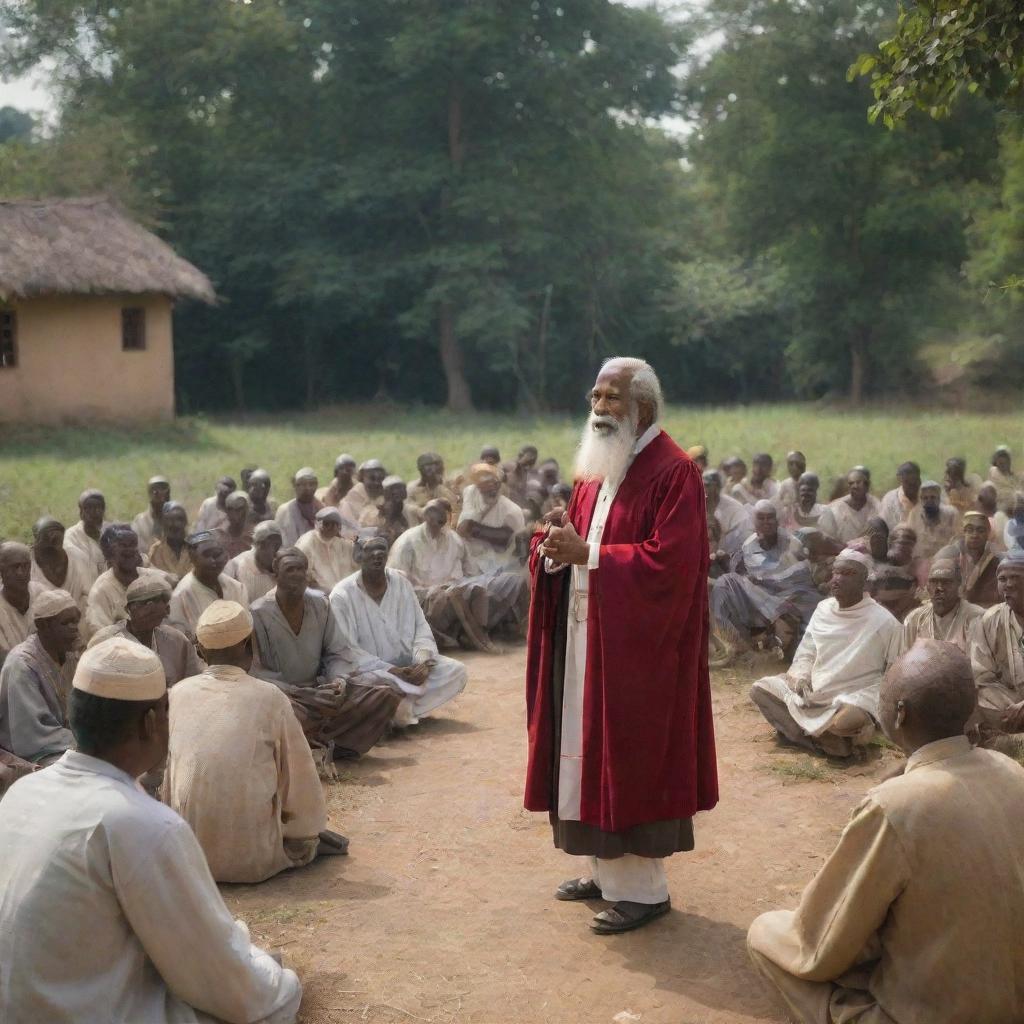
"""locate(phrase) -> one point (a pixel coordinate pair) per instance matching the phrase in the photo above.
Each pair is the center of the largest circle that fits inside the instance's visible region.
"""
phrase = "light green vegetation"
(803, 769)
(44, 470)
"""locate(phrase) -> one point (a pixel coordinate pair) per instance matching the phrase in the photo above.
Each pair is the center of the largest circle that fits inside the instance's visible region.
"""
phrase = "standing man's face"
(610, 396)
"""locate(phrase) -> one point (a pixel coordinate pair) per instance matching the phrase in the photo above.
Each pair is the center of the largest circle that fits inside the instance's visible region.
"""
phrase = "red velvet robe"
(648, 736)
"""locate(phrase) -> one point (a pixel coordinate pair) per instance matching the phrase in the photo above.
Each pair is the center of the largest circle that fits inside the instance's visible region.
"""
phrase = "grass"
(804, 769)
(42, 470)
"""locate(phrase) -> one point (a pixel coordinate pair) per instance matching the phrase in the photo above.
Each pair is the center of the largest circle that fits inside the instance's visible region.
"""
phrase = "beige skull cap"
(146, 587)
(223, 624)
(866, 562)
(121, 669)
(51, 603)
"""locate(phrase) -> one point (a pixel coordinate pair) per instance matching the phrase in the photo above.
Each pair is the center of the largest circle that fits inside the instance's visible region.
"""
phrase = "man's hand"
(556, 517)
(798, 684)
(414, 674)
(565, 546)
(1013, 718)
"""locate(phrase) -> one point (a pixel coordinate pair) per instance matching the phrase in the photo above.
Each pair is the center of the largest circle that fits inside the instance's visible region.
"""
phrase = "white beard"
(605, 454)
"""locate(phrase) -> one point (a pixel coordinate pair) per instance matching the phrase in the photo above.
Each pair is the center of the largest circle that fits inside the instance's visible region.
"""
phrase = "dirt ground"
(444, 912)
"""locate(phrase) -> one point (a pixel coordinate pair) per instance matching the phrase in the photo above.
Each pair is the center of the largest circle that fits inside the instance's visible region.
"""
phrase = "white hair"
(644, 385)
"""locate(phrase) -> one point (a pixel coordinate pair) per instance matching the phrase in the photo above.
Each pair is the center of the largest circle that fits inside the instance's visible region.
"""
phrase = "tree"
(15, 124)
(942, 48)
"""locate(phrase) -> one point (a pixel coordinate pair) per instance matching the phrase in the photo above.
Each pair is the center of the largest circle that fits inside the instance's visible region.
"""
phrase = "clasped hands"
(562, 544)
(414, 674)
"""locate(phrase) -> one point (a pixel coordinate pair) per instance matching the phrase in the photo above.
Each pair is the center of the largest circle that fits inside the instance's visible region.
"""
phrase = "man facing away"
(621, 740)
(925, 883)
(112, 886)
(239, 770)
(828, 700)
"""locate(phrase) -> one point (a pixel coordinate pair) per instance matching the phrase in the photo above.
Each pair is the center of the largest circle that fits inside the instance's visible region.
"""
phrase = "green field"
(43, 470)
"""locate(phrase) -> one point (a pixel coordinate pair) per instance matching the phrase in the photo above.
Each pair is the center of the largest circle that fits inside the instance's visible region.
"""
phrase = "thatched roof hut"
(87, 246)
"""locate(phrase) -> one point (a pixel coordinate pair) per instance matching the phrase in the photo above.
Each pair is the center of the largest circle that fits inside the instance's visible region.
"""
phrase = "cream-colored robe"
(932, 536)
(162, 556)
(240, 772)
(256, 582)
(147, 528)
(429, 562)
(503, 512)
(76, 537)
(78, 581)
(190, 599)
(844, 522)
(108, 601)
(956, 628)
(15, 627)
(330, 561)
(210, 516)
(998, 662)
(915, 916)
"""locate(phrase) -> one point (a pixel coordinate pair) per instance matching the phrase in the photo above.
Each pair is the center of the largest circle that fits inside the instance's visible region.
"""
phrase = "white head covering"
(855, 557)
(223, 624)
(121, 669)
(268, 528)
(51, 603)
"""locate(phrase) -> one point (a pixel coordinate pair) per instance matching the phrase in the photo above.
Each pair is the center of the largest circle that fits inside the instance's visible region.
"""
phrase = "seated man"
(298, 648)
(460, 603)
(298, 516)
(84, 536)
(490, 522)
(431, 484)
(255, 569)
(112, 886)
(901, 553)
(213, 513)
(947, 616)
(204, 584)
(735, 519)
(759, 485)
(107, 603)
(35, 682)
(769, 588)
(394, 515)
(943, 842)
(895, 589)
(235, 535)
(977, 558)
(997, 655)
(805, 510)
(367, 490)
(170, 553)
(1002, 476)
(56, 568)
(328, 553)
(17, 595)
(262, 507)
(256, 822)
(148, 603)
(786, 498)
(389, 641)
(149, 525)
(847, 517)
(1013, 534)
(898, 503)
(521, 473)
(961, 490)
(935, 524)
(342, 482)
(828, 700)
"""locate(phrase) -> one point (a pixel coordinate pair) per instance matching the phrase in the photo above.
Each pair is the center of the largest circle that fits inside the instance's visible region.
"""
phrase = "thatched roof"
(78, 246)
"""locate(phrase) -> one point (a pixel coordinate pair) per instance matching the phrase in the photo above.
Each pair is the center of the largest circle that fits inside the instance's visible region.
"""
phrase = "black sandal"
(578, 889)
(625, 916)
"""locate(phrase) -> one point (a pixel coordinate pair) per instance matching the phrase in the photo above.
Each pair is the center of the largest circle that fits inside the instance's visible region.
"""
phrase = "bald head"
(15, 567)
(929, 694)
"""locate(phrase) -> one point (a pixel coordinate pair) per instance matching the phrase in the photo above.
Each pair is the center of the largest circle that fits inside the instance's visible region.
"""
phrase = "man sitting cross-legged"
(299, 649)
(126, 922)
(205, 584)
(489, 522)
(255, 569)
(947, 616)
(239, 769)
(460, 602)
(107, 597)
(388, 637)
(329, 553)
(828, 700)
(926, 876)
(36, 679)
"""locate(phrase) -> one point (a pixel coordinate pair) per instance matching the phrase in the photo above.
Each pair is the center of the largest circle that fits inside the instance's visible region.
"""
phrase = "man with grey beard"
(621, 741)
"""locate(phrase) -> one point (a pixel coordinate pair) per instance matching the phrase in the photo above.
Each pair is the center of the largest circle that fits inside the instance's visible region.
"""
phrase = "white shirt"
(108, 913)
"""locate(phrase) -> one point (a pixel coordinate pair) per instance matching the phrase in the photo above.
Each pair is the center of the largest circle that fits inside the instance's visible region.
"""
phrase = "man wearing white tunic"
(149, 525)
(368, 489)
(459, 601)
(828, 700)
(84, 536)
(205, 584)
(388, 637)
(213, 513)
(935, 524)
(55, 567)
(298, 516)
(924, 881)
(299, 650)
(239, 770)
(329, 554)
(898, 503)
(35, 682)
(125, 920)
(490, 522)
(735, 519)
(847, 518)
(255, 569)
(107, 603)
(760, 485)
(17, 595)
(343, 482)
(947, 616)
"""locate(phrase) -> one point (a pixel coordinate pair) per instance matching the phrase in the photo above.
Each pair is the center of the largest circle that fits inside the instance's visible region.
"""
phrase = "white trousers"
(631, 878)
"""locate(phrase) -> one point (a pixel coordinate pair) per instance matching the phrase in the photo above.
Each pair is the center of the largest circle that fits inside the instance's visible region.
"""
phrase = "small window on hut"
(8, 339)
(133, 329)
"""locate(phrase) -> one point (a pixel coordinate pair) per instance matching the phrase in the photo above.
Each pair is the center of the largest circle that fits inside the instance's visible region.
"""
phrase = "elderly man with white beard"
(621, 741)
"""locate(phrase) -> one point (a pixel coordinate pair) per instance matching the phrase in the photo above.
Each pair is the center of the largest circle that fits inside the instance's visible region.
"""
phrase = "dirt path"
(444, 911)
